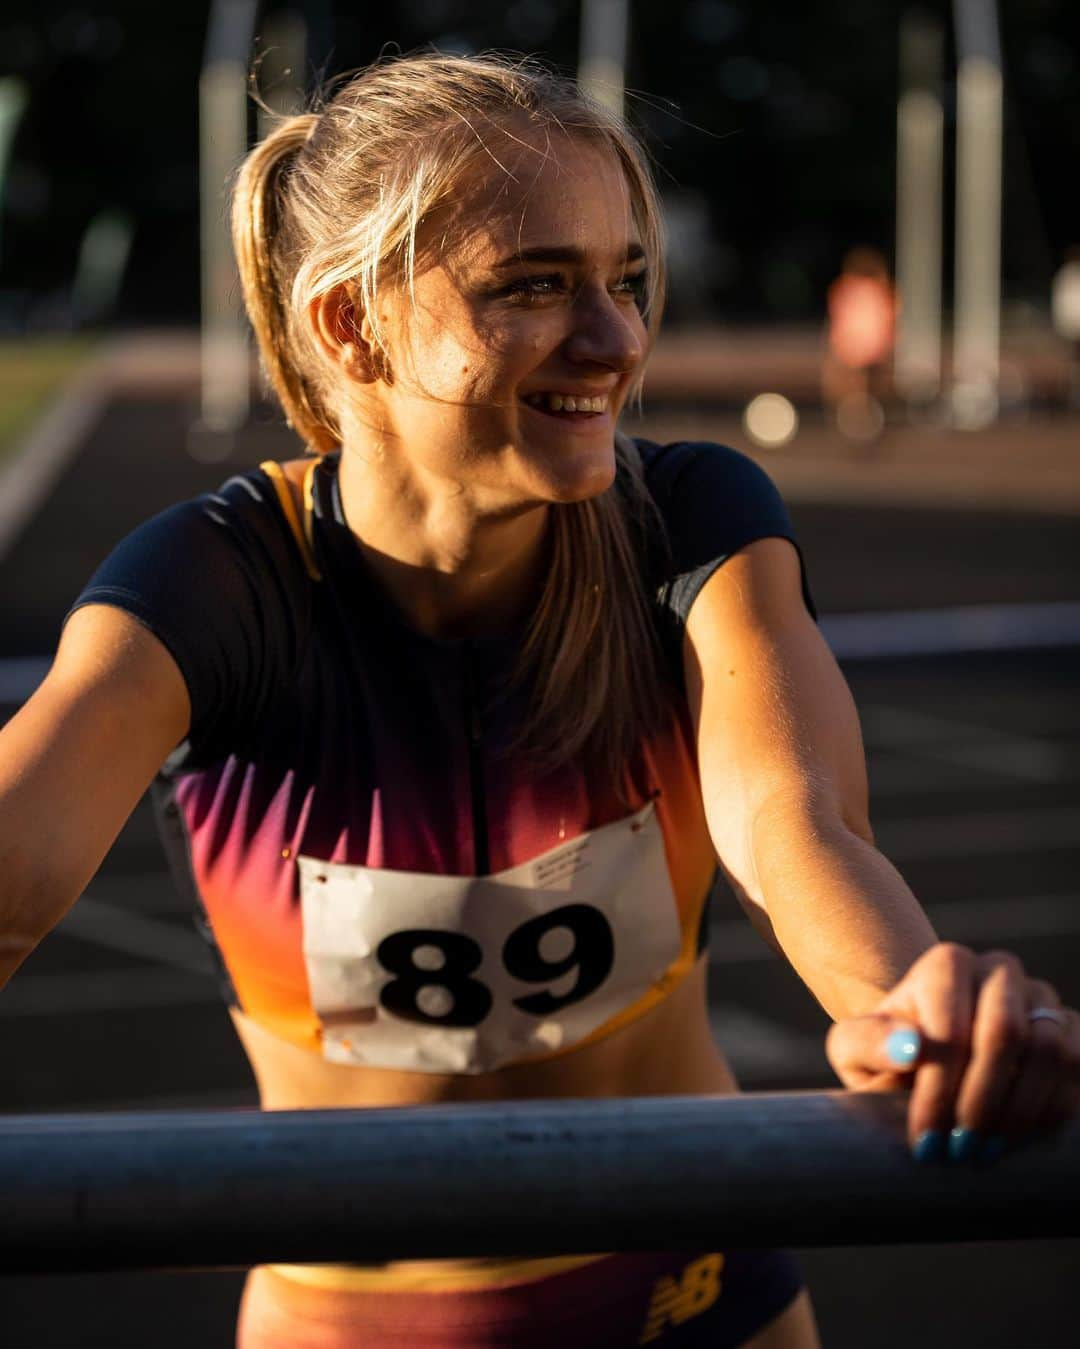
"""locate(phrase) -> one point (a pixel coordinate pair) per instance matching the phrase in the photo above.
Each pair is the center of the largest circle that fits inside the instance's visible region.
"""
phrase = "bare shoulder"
(760, 584)
(108, 657)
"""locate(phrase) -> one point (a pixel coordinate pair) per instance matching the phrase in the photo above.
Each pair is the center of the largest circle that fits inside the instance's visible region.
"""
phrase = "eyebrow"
(560, 253)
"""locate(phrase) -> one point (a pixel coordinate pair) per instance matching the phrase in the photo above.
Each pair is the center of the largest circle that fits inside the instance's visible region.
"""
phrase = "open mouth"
(568, 407)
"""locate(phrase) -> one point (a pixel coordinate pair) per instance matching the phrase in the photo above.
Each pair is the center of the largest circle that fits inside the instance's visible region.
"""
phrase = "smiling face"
(513, 358)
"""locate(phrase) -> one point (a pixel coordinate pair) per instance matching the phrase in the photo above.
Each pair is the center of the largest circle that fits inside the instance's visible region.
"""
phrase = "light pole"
(223, 140)
(605, 30)
(919, 190)
(977, 298)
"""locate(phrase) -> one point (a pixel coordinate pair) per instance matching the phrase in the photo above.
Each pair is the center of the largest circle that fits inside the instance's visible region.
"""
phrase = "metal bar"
(977, 299)
(186, 1189)
(223, 111)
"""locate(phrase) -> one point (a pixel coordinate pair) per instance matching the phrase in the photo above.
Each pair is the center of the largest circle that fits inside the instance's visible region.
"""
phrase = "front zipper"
(474, 732)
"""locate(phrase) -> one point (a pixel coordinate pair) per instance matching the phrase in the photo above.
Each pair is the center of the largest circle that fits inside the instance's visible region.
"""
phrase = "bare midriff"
(669, 1051)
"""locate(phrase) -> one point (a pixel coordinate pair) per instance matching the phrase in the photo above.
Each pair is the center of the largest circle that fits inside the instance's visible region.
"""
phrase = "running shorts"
(717, 1300)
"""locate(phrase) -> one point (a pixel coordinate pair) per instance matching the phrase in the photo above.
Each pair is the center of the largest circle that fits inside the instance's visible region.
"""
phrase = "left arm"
(784, 786)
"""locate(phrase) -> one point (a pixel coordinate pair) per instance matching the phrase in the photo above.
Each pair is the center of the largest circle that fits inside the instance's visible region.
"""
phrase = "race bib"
(464, 974)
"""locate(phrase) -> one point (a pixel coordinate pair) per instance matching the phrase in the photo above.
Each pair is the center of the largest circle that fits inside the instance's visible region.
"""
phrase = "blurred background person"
(861, 327)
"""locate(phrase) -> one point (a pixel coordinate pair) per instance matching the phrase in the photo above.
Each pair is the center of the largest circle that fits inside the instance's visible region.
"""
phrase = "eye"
(536, 287)
(636, 287)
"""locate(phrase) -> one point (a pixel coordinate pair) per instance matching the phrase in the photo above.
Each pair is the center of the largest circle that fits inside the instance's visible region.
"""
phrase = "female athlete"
(451, 719)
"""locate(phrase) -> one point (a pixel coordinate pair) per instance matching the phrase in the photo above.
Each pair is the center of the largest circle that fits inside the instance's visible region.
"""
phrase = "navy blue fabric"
(713, 501)
(220, 581)
(759, 1285)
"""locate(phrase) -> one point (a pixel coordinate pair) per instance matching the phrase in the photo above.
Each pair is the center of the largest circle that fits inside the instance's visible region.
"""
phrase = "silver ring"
(1047, 1014)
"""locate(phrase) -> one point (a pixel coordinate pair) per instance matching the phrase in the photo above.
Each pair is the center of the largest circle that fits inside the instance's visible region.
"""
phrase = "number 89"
(592, 954)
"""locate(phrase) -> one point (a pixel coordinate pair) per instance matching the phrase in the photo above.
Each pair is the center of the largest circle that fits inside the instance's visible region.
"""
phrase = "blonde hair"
(338, 196)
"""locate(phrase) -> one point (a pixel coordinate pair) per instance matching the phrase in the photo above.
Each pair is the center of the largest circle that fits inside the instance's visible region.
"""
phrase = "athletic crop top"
(384, 883)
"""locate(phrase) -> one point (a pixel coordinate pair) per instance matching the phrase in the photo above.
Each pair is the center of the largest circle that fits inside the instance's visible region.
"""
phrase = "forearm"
(19, 934)
(74, 761)
(41, 873)
(45, 860)
(841, 912)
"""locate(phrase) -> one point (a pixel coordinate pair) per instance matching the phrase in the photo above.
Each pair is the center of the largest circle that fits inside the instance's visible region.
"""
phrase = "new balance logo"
(677, 1300)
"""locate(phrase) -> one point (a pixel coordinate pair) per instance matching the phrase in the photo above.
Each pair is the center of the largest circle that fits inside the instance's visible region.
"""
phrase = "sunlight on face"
(510, 370)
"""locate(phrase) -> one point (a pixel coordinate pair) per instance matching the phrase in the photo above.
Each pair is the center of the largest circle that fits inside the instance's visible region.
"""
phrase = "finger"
(1065, 1102)
(1038, 1077)
(944, 995)
(1057, 1098)
(874, 1052)
(999, 1038)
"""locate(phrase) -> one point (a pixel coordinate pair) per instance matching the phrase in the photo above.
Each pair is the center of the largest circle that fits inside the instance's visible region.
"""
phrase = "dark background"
(779, 118)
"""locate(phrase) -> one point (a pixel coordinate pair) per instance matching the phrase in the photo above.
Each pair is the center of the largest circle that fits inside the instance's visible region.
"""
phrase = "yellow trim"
(409, 1276)
(309, 505)
(307, 1037)
(301, 531)
(651, 998)
(672, 976)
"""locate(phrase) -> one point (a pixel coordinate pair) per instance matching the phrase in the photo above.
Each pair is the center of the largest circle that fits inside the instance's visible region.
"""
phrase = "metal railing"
(203, 1189)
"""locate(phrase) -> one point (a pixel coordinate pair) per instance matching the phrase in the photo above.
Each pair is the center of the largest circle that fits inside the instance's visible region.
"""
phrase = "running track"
(974, 747)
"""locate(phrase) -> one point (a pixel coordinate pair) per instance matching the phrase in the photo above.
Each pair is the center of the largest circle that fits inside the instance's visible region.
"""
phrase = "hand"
(956, 1031)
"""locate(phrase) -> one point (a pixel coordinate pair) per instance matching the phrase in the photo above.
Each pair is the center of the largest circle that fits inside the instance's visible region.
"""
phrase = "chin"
(576, 478)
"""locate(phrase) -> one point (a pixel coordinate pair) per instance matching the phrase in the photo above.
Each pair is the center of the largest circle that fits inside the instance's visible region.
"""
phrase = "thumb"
(861, 1048)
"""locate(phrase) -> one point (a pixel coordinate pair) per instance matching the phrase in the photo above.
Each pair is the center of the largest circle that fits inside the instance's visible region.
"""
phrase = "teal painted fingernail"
(964, 1145)
(992, 1149)
(903, 1047)
(929, 1148)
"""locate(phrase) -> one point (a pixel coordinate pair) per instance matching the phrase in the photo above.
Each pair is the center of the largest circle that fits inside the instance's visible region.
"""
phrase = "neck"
(452, 568)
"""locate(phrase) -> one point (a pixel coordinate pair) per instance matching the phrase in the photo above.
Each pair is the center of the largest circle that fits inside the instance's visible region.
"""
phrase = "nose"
(605, 332)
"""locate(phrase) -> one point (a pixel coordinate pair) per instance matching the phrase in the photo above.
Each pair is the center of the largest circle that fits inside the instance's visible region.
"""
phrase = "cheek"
(444, 373)
(477, 370)
(465, 384)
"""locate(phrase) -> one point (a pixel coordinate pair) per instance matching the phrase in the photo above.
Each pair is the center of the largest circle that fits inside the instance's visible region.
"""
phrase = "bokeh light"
(770, 420)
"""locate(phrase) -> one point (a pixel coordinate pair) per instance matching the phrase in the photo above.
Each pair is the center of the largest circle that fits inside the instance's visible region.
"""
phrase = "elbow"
(790, 829)
(794, 831)
(19, 934)
(857, 822)
(812, 810)
(14, 948)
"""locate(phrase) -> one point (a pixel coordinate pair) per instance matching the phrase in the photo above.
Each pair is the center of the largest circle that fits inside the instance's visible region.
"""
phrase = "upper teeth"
(565, 402)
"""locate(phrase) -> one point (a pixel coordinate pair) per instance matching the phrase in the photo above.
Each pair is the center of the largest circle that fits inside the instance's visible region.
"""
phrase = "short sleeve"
(713, 501)
(219, 582)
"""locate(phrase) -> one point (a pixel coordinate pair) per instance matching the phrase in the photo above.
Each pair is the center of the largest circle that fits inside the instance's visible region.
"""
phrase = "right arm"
(74, 762)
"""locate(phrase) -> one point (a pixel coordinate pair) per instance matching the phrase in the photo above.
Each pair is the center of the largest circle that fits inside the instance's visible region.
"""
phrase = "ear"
(344, 334)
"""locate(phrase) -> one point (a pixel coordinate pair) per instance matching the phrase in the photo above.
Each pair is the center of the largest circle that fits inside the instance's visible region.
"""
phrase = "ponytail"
(263, 238)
